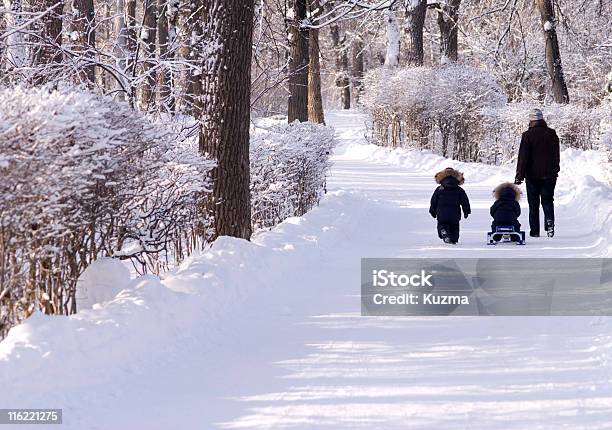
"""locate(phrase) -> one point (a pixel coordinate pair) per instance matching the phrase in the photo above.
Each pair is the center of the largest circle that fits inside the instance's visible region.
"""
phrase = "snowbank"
(101, 282)
(152, 321)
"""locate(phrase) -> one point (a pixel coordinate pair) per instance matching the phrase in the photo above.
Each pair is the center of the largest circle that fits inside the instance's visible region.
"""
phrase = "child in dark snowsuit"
(446, 204)
(506, 209)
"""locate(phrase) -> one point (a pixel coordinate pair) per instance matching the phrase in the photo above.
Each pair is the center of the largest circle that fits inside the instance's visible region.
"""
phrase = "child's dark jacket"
(506, 209)
(449, 198)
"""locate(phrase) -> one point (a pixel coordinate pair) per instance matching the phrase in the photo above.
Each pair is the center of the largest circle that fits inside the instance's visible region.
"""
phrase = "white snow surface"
(267, 334)
(101, 282)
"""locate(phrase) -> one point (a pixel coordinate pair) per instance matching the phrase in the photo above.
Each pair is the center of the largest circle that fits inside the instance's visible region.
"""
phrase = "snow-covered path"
(267, 335)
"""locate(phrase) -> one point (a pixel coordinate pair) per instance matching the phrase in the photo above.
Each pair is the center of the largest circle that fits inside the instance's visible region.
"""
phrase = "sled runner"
(506, 234)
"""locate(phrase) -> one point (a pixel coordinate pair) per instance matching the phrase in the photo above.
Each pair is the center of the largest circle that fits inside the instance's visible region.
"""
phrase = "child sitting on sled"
(506, 209)
(446, 204)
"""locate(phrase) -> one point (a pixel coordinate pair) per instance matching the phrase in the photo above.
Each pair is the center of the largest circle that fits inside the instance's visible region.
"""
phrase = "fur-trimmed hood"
(449, 171)
(507, 189)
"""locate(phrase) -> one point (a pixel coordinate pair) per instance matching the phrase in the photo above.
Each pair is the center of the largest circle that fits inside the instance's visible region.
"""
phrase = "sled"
(506, 234)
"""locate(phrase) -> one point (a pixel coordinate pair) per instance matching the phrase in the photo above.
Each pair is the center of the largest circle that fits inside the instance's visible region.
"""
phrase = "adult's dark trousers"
(451, 229)
(540, 191)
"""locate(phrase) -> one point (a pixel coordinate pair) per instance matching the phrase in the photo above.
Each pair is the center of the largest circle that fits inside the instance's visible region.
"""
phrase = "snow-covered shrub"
(605, 142)
(85, 177)
(576, 126)
(435, 108)
(606, 145)
(460, 112)
(288, 167)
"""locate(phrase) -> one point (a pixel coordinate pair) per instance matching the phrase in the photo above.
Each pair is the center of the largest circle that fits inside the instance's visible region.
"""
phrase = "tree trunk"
(190, 82)
(173, 24)
(342, 79)
(448, 18)
(130, 21)
(393, 38)
(15, 43)
(413, 27)
(358, 67)
(345, 82)
(553, 56)
(121, 48)
(148, 36)
(315, 100)
(82, 24)
(163, 76)
(104, 79)
(225, 120)
(44, 40)
(298, 64)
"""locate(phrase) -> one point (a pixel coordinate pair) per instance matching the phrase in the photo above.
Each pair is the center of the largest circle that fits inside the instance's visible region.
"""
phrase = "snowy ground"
(267, 334)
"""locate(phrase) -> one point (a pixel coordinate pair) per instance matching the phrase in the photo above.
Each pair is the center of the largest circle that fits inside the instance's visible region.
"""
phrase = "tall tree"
(413, 27)
(82, 25)
(225, 120)
(342, 72)
(393, 38)
(344, 81)
(164, 84)
(448, 19)
(298, 63)
(15, 42)
(315, 100)
(190, 53)
(358, 68)
(130, 39)
(148, 36)
(553, 56)
(121, 47)
(45, 39)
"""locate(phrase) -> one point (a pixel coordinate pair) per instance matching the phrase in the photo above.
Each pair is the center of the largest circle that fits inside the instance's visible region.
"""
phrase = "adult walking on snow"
(538, 165)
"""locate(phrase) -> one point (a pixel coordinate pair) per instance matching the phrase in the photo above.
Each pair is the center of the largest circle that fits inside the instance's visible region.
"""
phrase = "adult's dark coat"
(539, 153)
(449, 198)
(506, 209)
